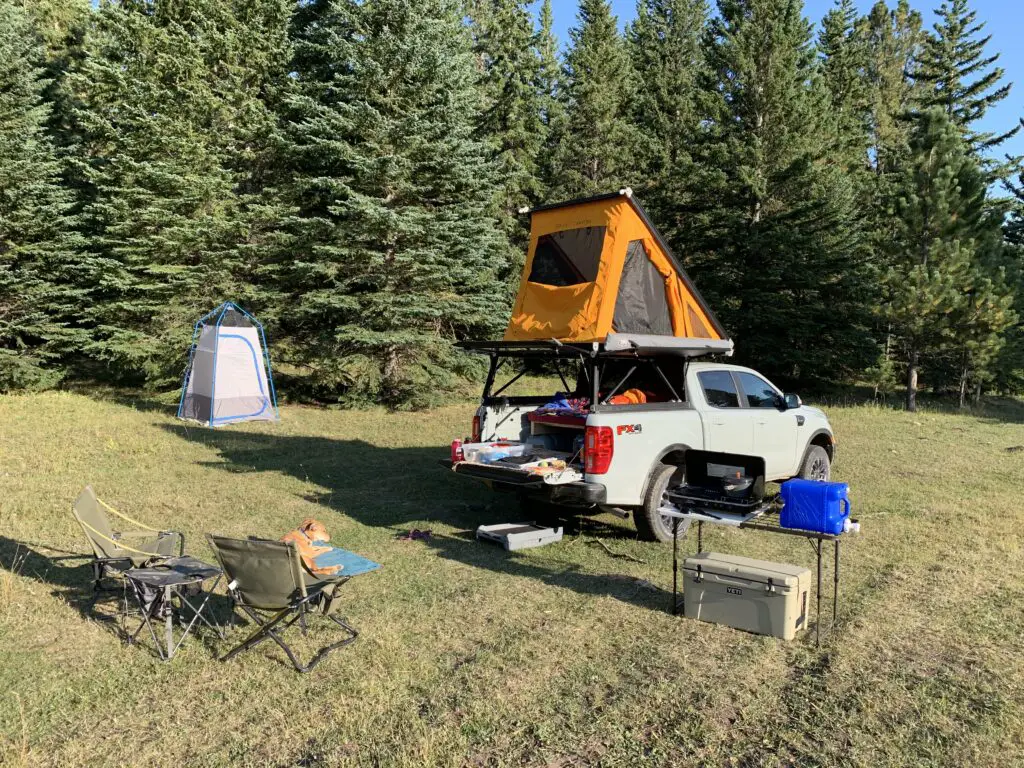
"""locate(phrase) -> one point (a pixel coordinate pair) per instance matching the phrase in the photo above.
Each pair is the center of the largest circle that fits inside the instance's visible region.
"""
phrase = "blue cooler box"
(814, 505)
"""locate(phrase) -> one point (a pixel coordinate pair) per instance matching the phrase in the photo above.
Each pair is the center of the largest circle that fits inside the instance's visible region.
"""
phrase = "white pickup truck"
(632, 452)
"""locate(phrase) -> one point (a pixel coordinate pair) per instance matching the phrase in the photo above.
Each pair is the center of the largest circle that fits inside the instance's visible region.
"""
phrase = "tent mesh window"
(569, 257)
(697, 328)
(641, 306)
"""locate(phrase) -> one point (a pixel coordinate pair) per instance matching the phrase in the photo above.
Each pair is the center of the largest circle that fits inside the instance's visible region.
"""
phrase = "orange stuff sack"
(309, 531)
(629, 397)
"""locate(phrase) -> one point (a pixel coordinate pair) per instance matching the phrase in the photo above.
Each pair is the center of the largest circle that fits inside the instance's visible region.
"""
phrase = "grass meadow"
(558, 657)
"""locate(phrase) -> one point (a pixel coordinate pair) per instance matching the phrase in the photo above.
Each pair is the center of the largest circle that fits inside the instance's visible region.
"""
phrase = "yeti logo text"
(629, 429)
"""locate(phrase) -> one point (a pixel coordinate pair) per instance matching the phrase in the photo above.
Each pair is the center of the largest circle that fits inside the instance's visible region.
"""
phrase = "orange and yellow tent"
(597, 266)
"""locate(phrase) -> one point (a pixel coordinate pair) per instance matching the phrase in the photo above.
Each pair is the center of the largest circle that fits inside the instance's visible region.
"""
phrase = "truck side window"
(719, 389)
(760, 394)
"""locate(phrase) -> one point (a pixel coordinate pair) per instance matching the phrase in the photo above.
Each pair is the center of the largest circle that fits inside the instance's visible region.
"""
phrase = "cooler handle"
(849, 508)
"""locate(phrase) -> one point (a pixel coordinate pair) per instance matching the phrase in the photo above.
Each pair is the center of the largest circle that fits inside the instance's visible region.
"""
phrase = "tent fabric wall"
(589, 311)
(228, 378)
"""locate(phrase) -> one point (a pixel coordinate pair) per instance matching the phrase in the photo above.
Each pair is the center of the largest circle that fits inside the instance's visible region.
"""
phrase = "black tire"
(650, 523)
(817, 465)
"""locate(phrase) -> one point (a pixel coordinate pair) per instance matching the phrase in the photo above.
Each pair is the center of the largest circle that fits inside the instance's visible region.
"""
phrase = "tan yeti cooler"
(753, 595)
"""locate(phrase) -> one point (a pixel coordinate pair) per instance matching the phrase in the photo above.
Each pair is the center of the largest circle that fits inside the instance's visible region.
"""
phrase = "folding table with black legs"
(164, 591)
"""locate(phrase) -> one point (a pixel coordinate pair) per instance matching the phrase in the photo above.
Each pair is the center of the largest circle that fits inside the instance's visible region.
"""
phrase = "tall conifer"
(596, 150)
(394, 252)
(963, 80)
(37, 239)
(664, 46)
(777, 245)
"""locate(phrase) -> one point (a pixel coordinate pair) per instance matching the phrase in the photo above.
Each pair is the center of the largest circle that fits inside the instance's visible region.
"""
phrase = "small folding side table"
(169, 590)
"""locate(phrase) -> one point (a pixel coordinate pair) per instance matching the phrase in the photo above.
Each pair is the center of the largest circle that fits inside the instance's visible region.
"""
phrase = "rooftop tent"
(598, 271)
(228, 378)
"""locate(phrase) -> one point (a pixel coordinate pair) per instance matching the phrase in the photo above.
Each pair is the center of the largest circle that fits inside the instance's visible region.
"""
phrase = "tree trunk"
(977, 393)
(912, 364)
(963, 386)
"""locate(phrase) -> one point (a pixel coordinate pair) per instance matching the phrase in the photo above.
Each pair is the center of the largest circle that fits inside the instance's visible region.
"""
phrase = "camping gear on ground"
(816, 505)
(228, 378)
(311, 539)
(173, 590)
(414, 535)
(116, 551)
(516, 536)
(754, 595)
(267, 582)
(597, 270)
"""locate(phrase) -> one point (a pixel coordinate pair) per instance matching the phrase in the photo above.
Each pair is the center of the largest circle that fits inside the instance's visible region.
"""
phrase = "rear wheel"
(651, 524)
(817, 465)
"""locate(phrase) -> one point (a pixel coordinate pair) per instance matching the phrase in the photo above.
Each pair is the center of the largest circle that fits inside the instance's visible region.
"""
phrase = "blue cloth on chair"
(351, 563)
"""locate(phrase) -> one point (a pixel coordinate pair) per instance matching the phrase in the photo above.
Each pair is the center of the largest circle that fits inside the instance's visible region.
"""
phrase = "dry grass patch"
(562, 656)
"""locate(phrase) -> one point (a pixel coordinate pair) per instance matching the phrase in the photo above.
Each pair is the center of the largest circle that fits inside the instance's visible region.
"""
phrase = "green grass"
(562, 656)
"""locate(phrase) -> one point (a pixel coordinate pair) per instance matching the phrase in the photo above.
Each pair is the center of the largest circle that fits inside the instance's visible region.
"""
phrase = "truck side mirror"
(793, 401)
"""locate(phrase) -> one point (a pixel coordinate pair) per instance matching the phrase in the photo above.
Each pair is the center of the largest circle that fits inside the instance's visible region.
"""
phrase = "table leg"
(675, 566)
(169, 622)
(817, 621)
(835, 587)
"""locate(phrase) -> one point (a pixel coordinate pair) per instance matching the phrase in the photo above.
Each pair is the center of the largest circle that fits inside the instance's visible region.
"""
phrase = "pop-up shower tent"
(228, 378)
(598, 271)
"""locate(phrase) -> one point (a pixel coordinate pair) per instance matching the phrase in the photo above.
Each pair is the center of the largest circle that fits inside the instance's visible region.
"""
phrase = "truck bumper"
(511, 481)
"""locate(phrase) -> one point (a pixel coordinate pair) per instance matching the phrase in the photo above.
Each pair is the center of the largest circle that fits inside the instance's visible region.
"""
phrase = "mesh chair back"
(267, 574)
(90, 516)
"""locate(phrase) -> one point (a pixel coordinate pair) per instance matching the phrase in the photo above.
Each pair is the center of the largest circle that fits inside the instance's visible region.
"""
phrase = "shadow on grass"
(464, 548)
(395, 487)
(71, 577)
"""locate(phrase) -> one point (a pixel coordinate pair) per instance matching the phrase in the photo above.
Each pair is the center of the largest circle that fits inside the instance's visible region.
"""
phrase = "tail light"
(600, 447)
(476, 428)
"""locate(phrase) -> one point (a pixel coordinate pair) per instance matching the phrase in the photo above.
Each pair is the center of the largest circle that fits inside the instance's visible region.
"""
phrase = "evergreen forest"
(352, 173)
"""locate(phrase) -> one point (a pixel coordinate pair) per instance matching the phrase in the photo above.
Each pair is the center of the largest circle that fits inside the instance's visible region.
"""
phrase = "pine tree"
(551, 100)
(596, 150)
(394, 253)
(173, 116)
(511, 119)
(894, 38)
(777, 246)
(963, 81)
(37, 238)
(664, 46)
(939, 208)
(844, 63)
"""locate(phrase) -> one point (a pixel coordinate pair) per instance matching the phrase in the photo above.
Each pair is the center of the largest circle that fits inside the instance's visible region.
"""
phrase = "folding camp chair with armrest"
(116, 551)
(267, 577)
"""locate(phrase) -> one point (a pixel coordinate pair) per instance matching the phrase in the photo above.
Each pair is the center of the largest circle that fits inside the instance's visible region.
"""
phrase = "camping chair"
(267, 577)
(112, 552)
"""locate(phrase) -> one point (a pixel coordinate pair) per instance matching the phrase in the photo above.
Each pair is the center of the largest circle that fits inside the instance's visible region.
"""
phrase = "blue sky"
(1004, 21)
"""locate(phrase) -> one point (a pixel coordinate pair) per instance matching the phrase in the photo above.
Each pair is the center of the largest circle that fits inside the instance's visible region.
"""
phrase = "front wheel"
(650, 523)
(817, 465)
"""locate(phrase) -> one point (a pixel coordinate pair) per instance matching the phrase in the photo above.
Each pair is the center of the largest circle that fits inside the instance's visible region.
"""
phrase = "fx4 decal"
(629, 429)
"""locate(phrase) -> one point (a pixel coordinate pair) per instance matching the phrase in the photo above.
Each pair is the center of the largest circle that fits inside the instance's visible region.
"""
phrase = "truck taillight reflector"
(476, 428)
(599, 447)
